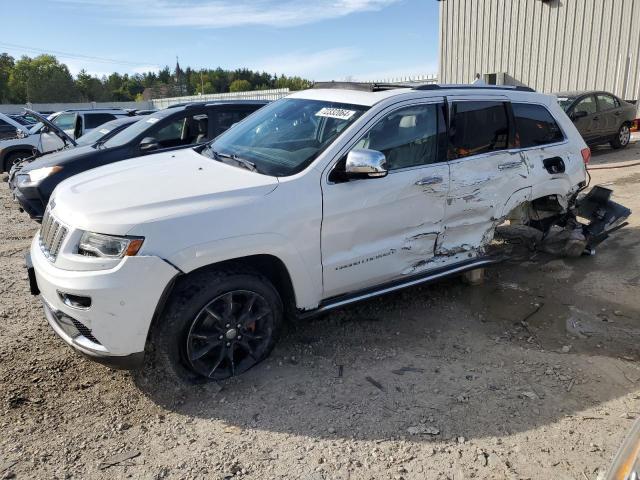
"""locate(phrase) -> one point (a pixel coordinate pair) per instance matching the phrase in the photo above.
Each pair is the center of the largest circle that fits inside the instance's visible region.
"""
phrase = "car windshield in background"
(565, 102)
(284, 137)
(96, 134)
(128, 134)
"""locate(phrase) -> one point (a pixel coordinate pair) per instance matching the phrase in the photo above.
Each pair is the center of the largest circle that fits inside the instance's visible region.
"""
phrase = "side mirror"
(149, 144)
(44, 129)
(364, 163)
(20, 133)
(578, 114)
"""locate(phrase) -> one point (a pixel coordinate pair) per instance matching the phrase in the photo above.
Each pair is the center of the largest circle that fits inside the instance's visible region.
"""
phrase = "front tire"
(14, 158)
(217, 324)
(622, 138)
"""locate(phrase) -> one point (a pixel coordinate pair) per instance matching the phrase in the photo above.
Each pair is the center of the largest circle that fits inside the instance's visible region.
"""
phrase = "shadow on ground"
(543, 338)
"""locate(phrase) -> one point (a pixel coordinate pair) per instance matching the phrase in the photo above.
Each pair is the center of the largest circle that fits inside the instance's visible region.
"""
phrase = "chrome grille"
(52, 234)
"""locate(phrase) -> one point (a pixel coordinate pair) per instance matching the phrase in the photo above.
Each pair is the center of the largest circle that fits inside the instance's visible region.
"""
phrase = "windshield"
(284, 137)
(129, 133)
(565, 102)
(98, 133)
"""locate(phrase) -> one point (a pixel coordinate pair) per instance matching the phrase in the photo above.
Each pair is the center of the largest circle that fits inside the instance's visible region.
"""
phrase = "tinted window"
(407, 137)
(587, 104)
(66, 121)
(534, 126)
(93, 120)
(606, 102)
(182, 131)
(477, 127)
(225, 120)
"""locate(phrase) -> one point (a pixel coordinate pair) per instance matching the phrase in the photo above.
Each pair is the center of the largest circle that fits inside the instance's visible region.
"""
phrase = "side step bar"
(343, 300)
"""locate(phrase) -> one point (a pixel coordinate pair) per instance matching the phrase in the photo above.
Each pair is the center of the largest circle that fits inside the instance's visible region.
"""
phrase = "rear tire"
(216, 324)
(622, 138)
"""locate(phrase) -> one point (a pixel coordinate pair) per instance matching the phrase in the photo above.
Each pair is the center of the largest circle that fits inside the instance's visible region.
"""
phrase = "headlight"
(42, 173)
(108, 246)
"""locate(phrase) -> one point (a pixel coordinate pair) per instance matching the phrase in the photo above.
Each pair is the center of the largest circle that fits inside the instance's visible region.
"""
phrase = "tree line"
(44, 79)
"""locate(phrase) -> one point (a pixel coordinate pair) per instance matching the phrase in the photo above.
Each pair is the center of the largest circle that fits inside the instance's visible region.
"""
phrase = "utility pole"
(201, 83)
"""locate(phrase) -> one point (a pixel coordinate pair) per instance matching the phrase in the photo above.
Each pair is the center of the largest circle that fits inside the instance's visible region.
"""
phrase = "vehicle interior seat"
(203, 129)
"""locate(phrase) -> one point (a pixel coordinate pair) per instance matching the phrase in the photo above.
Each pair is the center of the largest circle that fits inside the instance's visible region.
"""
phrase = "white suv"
(329, 196)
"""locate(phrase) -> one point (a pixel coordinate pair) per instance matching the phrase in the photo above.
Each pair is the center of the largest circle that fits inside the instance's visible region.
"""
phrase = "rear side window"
(225, 120)
(534, 126)
(477, 127)
(93, 120)
(606, 102)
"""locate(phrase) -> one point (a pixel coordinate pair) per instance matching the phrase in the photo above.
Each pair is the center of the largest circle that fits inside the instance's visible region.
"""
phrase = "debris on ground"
(120, 459)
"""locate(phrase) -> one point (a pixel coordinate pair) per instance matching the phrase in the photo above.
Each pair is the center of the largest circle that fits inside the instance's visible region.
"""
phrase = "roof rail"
(436, 86)
(361, 86)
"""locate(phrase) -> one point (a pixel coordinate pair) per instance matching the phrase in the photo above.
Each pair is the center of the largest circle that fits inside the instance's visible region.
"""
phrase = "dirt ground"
(533, 375)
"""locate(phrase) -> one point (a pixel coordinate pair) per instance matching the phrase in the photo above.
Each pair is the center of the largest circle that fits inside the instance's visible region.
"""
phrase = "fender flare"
(307, 285)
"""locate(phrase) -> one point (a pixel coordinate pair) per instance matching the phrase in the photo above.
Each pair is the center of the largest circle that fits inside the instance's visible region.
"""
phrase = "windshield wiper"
(240, 161)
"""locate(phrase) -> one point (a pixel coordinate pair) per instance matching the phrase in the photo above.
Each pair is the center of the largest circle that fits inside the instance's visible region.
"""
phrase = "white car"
(45, 137)
(329, 196)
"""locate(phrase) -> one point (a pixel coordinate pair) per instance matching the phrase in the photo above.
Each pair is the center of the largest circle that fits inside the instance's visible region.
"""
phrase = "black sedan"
(169, 129)
(600, 117)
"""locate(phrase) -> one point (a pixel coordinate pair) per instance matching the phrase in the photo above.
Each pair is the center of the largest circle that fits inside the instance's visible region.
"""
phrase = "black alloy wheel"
(231, 334)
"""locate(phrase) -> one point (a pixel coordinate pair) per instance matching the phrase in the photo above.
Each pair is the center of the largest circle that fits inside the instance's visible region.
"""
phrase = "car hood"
(115, 198)
(59, 157)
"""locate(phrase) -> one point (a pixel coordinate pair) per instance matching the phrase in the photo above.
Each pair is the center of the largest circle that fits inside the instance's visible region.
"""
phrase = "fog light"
(75, 301)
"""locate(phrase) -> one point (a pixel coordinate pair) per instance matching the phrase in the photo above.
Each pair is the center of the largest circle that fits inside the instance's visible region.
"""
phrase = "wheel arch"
(6, 152)
(270, 266)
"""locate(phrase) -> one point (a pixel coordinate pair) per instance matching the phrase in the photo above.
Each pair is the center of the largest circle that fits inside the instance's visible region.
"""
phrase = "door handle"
(508, 165)
(596, 118)
(429, 181)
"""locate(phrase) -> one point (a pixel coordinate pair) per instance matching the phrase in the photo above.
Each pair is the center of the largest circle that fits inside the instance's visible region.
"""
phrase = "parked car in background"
(10, 128)
(326, 197)
(25, 119)
(76, 123)
(600, 117)
(43, 137)
(166, 130)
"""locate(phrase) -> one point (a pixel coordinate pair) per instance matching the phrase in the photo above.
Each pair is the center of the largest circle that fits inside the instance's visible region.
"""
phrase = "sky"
(316, 39)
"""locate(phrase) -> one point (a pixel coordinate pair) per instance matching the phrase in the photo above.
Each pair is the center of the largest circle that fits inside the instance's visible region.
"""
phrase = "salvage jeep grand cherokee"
(326, 197)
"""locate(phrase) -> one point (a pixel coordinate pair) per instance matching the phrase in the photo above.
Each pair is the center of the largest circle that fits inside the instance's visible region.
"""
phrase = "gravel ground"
(534, 374)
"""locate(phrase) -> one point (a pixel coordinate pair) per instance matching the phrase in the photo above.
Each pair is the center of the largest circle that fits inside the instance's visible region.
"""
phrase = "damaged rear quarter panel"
(480, 187)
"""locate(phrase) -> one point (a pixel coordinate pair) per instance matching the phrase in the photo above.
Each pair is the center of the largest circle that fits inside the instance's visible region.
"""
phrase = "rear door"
(223, 119)
(609, 111)
(588, 125)
(486, 173)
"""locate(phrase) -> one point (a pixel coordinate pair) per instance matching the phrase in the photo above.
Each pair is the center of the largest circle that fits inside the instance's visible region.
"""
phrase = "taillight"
(586, 155)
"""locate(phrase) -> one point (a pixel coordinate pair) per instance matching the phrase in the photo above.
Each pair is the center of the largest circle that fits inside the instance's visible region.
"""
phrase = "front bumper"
(29, 199)
(123, 301)
(69, 330)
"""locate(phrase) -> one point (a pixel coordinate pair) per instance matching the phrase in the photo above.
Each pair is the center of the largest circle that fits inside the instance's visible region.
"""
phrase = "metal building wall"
(553, 45)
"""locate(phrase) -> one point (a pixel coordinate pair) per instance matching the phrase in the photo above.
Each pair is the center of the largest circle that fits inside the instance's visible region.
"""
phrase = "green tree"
(240, 86)
(42, 79)
(6, 66)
